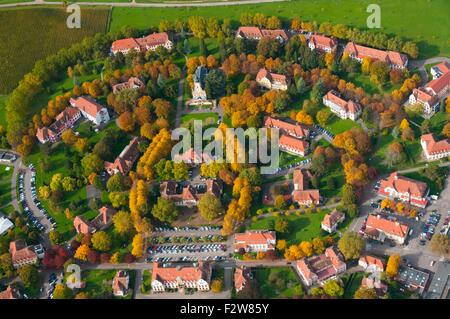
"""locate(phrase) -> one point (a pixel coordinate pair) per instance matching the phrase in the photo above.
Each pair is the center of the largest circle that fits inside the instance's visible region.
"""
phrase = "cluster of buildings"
(150, 42)
(301, 194)
(319, 268)
(82, 106)
(133, 83)
(180, 277)
(292, 135)
(405, 189)
(102, 221)
(430, 95)
(342, 108)
(189, 194)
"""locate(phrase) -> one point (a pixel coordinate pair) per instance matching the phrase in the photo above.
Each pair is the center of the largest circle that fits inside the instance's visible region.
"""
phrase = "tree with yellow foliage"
(304, 118)
(393, 265)
(281, 244)
(115, 258)
(386, 203)
(404, 124)
(306, 248)
(138, 246)
(329, 60)
(82, 252)
(293, 253)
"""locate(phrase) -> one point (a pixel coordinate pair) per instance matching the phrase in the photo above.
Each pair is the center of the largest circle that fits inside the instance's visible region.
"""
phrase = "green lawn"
(5, 184)
(419, 22)
(363, 81)
(351, 284)
(304, 227)
(337, 125)
(288, 159)
(146, 281)
(284, 286)
(428, 69)
(99, 283)
(338, 175)
(200, 116)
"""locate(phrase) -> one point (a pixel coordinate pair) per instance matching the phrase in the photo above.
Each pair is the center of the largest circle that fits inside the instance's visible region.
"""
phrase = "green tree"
(365, 293)
(333, 288)
(215, 83)
(116, 183)
(351, 245)
(123, 224)
(282, 225)
(29, 275)
(6, 266)
(210, 207)
(54, 236)
(91, 163)
(62, 292)
(101, 241)
(164, 210)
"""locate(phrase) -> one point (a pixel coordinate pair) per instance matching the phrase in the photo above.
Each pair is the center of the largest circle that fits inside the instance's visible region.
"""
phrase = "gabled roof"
(120, 282)
(249, 32)
(329, 220)
(9, 293)
(19, 251)
(296, 129)
(433, 146)
(241, 276)
(183, 273)
(306, 195)
(272, 77)
(389, 57)
(125, 44)
(371, 260)
(386, 226)
(87, 105)
(300, 179)
(292, 142)
(347, 106)
(321, 41)
(404, 185)
(440, 84)
(253, 237)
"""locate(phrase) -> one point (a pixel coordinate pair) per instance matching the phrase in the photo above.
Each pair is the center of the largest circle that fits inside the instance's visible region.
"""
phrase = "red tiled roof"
(371, 260)
(347, 106)
(440, 84)
(20, 252)
(82, 225)
(120, 283)
(444, 67)
(241, 276)
(141, 44)
(295, 129)
(404, 185)
(386, 226)
(125, 44)
(306, 195)
(9, 293)
(170, 274)
(249, 32)
(300, 179)
(273, 34)
(87, 105)
(125, 161)
(389, 57)
(423, 96)
(272, 77)
(254, 238)
(329, 220)
(435, 147)
(292, 142)
(321, 41)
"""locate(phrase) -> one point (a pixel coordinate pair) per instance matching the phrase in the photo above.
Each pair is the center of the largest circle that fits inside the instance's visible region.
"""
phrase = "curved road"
(142, 5)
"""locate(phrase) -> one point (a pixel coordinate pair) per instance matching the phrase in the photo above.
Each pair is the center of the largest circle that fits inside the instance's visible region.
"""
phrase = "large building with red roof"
(342, 108)
(322, 43)
(301, 194)
(189, 194)
(255, 241)
(181, 276)
(21, 254)
(380, 228)
(293, 145)
(242, 278)
(133, 83)
(405, 189)
(255, 33)
(371, 263)
(433, 149)
(430, 95)
(93, 111)
(272, 81)
(121, 283)
(144, 44)
(10, 293)
(102, 221)
(125, 161)
(358, 52)
(286, 127)
(319, 268)
(63, 121)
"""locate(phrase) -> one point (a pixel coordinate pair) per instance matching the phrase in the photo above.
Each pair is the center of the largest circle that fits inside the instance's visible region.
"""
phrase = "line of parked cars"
(184, 259)
(177, 249)
(186, 229)
(324, 131)
(430, 226)
(52, 281)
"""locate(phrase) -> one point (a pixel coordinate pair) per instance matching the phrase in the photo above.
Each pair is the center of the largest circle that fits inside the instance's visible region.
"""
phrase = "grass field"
(285, 277)
(99, 283)
(419, 21)
(337, 125)
(351, 284)
(24, 41)
(304, 227)
(199, 116)
(5, 184)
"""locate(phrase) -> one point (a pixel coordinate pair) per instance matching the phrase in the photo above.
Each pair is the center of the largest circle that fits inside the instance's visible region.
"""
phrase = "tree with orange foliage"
(126, 122)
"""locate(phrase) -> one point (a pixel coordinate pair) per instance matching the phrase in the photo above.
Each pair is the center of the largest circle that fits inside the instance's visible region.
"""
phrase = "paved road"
(143, 5)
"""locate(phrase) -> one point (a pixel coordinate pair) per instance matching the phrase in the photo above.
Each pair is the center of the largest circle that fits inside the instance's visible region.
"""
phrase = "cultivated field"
(30, 34)
(420, 20)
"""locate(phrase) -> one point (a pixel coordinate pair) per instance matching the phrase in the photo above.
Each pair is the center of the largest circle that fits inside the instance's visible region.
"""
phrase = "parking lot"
(36, 214)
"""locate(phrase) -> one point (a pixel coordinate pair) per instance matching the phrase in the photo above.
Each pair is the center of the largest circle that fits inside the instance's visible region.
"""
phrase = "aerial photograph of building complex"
(233, 150)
